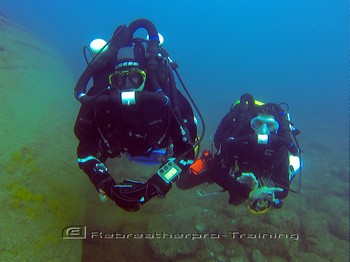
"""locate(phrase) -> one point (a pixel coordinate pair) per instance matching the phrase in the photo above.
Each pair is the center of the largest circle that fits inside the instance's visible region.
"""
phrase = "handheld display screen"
(169, 171)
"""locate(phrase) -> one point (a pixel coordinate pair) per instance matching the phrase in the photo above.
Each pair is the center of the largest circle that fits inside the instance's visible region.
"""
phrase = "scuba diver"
(134, 108)
(257, 155)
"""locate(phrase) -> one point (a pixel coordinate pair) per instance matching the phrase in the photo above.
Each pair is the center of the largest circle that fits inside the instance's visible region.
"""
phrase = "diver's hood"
(130, 57)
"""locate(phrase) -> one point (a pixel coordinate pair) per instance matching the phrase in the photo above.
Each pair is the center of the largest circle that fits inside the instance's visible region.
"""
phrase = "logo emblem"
(74, 232)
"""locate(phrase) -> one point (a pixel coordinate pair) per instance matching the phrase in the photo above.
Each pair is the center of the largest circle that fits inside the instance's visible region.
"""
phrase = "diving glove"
(266, 193)
(249, 180)
(131, 194)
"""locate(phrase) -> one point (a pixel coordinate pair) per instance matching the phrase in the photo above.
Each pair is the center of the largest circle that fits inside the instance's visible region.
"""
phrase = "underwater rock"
(341, 173)
(286, 220)
(265, 238)
(203, 255)
(40, 186)
(340, 188)
(335, 207)
(172, 248)
(36, 89)
(238, 259)
(329, 203)
(214, 246)
(339, 227)
(257, 256)
(175, 239)
(322, 247)
(221, 258)
(315, 237)
(313, 225)
(234, 250)
(201, 220)
(303, 256)
(340, 252)
(276, 259)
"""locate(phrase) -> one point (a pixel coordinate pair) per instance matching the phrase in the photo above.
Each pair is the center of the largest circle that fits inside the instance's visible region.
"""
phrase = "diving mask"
(264, 124)
(259, 207)
(128, 80)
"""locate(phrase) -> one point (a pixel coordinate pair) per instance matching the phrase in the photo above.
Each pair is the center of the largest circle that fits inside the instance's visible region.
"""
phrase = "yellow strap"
(258, 103)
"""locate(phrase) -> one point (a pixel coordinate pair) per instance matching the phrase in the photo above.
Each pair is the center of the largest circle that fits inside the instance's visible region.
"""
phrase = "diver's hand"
(267, 193)
(131, 195)
(248, 179)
